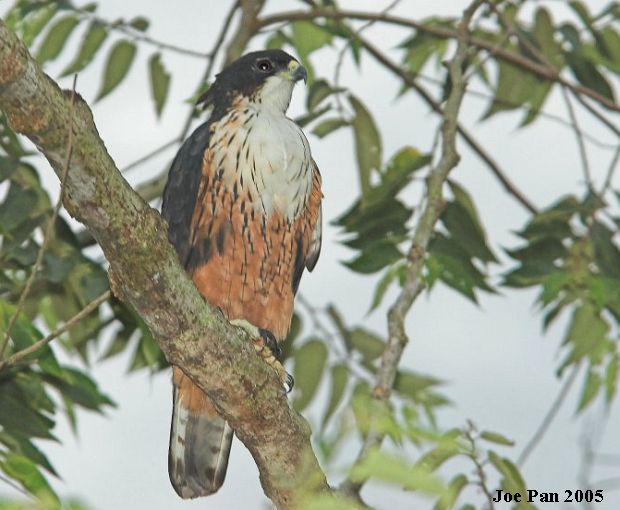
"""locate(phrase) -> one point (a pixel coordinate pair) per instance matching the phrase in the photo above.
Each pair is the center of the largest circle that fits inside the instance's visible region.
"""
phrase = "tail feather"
(199, 442)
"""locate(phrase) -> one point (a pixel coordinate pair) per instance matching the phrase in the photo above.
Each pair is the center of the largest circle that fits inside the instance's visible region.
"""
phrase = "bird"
(243, 207)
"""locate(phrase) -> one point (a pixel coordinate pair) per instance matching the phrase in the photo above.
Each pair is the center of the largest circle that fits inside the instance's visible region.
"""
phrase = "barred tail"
(199, 442)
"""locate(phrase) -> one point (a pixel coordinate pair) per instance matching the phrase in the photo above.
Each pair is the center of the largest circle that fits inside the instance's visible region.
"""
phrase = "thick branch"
(144, 271)
(413, 283)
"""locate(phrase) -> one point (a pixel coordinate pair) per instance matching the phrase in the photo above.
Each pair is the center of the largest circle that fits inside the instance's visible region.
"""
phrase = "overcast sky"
(498, 366)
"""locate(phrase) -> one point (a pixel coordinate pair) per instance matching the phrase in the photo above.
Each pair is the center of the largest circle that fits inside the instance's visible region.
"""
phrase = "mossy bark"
(144, 271)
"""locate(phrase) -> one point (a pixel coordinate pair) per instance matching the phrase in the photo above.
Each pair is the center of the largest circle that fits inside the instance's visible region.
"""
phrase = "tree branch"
(144, 271)
(47, 234)
(536, 68)
(549, 416)
(20, 355)
(410, 80)
(434, 203)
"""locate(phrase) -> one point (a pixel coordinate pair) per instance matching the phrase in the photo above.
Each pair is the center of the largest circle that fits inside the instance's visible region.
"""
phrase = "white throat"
(275, 95)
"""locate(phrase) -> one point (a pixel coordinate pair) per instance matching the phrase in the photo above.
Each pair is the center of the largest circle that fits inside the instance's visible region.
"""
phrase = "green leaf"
(375, 223)
(119, 61)
(290, 344)
(582, 11)
(369, 345)
(586, 331)
(450, 263)
(436, 457)
(396, 271)
(55, 39)
(611, 378)
(339, 377)
(375, 257)
(81, 389)
(160, 82)
(512, 477)
(367, 143)
(606, 253)
(591, 387)
(32, 24)
(543, 33)
(513, 89)
(304, 120)
(92, 41)
(328, 126)
(413, 385)
(538, 97)
(588, 75)
(391, 469)
(276, 40)
(553, 285)
(21, 401)
(25, 472)
(466, 231)
(420, 48)
(139, 23)
(455, 487)
(309, 37)
(310, 361)
(494, 437)
(318, 92)
(16, 207)
(340, 325)
(553, 221)
(24, 447)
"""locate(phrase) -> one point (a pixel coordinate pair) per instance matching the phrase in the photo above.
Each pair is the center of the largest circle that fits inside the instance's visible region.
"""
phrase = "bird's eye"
(264, 66)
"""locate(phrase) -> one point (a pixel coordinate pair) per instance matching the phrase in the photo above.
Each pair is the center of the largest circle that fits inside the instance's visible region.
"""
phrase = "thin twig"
(583, 154)
(511, 57)
(153, 187)
(137, 35)
(410, 80)
(211, 62)
(413, 281)
(541, 57)
(354, 34)
(13, 485)
(147, 157)
(19, 355)
(541, 113)
(343, 356)
(610, 173)
(482, 477)
(606, 122)
(51, 223)
(551, 414)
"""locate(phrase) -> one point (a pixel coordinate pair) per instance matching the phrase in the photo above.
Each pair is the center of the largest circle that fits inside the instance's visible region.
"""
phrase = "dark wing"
(179, 199)
(314, 249)
(316, 237)
(309, 237)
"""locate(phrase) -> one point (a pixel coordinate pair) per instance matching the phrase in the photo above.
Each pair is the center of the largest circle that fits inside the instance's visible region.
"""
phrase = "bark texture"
(145, 272)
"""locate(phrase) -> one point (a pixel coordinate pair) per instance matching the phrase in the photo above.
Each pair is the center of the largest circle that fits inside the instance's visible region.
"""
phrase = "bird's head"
(265, 78)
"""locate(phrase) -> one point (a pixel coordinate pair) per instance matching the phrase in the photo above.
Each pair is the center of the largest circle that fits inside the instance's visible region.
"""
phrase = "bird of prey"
(243, 206)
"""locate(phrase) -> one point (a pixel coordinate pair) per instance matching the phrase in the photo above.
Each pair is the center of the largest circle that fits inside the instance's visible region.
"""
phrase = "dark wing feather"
(180, 193)
(316, 239)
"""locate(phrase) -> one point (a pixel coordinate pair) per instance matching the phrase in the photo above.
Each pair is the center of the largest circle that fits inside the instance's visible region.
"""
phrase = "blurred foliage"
(568, 251)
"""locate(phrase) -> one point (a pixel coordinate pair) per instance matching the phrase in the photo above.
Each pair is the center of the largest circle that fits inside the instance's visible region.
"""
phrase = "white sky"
(498, 366)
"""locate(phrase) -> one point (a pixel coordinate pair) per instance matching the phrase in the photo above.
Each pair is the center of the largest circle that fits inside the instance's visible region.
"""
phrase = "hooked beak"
(296, 72)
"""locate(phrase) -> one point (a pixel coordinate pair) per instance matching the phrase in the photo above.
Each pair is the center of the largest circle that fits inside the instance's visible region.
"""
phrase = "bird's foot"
(267, 347)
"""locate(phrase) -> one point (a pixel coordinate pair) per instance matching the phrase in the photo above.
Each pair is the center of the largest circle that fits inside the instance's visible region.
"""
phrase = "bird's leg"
(267, 347)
